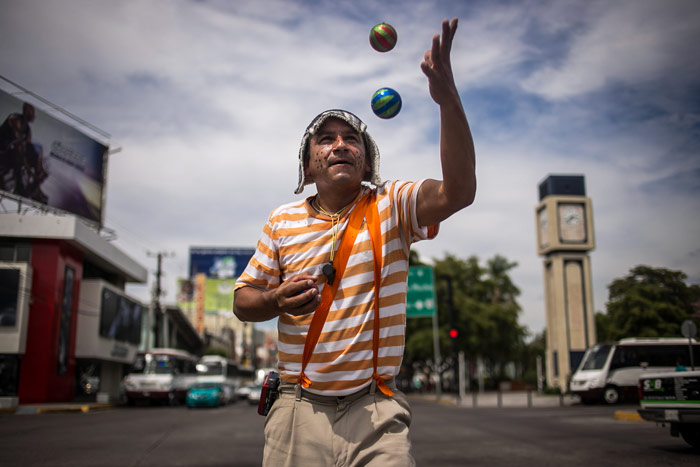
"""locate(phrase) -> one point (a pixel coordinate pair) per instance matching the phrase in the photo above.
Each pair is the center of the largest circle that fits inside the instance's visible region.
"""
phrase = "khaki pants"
(363, 429)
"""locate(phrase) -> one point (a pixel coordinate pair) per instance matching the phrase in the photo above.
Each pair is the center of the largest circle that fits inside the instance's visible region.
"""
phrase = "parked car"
(243, 392)
(206, 395)
(254, 394)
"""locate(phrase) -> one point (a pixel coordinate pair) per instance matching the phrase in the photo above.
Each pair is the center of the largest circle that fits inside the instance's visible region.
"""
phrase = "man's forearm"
(253, 305)
(457, 156)
(296, 296)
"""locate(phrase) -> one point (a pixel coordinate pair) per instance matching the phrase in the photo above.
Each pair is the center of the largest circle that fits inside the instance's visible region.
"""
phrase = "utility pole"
(155, 312)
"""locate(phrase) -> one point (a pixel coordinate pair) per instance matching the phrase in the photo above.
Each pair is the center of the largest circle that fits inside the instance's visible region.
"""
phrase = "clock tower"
(564, 220)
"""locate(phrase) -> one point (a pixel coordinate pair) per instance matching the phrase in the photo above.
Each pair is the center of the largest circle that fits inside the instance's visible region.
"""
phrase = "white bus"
(610, 372)
(217, 369)
(160, 374)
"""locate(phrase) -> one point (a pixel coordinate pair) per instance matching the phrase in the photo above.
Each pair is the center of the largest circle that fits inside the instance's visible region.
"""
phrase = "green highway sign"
(420, 296)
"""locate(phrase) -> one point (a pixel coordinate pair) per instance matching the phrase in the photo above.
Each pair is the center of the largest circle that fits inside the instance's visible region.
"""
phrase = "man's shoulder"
(389, 185)
(293, 207)
(396, 187)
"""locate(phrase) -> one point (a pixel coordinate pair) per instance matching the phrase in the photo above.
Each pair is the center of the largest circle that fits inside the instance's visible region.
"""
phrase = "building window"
(66, 313)
(15, 252)
(9, 296)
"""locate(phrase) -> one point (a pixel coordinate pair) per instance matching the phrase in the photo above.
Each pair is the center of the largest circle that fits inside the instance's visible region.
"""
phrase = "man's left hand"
(437, 65)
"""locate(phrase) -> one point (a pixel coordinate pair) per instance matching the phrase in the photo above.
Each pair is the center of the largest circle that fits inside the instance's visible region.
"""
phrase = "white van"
(160, 374)
(610, 372)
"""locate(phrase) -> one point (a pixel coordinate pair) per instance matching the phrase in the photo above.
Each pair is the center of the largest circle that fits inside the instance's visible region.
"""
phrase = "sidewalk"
(521, 399)
(500, 399)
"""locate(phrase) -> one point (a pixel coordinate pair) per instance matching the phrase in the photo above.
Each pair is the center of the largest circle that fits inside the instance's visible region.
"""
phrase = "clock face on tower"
(572, 222)
(543, 226)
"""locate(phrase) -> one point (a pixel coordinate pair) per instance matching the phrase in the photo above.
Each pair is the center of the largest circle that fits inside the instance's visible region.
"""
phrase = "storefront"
(54, 270)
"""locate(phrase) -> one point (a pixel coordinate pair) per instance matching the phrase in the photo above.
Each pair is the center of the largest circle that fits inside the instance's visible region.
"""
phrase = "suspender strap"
(339, 262)
(375, 233)
(366, 209)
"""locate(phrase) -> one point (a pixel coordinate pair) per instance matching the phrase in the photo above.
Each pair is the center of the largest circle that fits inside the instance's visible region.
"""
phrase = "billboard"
(219, 263)
(218, 294)
(215, 295)
(49, 162)
(213, 273)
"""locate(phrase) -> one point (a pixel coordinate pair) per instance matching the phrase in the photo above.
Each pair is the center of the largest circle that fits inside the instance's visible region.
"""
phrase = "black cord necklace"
(327, 269)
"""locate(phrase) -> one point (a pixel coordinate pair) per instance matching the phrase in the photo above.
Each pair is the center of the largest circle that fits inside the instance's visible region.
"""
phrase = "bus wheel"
(611, 395)
(691, 434)
(172, 399)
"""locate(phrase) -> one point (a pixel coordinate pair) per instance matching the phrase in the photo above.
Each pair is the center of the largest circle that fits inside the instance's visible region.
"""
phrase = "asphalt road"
(443, 435)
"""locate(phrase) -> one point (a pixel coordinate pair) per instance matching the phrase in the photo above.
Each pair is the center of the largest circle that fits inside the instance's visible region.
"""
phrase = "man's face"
(337, 155)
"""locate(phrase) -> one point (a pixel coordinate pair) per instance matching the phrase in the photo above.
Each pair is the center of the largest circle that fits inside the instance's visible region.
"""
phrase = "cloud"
(629, 43)
(208, 101)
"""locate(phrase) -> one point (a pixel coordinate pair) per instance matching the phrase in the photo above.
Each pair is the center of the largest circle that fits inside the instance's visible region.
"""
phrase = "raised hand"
(437, 65)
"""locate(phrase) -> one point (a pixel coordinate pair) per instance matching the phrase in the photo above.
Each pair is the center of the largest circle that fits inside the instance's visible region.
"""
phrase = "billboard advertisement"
(215, 295)
(213, 273)
(219, 263)
(49, 162)
(218, 294)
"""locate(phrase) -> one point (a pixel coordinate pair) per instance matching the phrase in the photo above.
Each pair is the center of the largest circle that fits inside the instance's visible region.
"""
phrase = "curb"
(77, 408)
(628, 416)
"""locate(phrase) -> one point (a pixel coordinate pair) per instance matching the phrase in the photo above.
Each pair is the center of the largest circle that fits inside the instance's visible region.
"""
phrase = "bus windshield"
(209, 368)
(596, 357)
(152, 364)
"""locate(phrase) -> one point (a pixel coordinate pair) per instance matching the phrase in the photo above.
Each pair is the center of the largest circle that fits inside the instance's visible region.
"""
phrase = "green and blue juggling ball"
(386, 103)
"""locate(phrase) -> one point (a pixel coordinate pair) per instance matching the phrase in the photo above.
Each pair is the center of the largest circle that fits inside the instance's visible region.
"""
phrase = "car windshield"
(596, 357)
(206, 386)
(209, 369)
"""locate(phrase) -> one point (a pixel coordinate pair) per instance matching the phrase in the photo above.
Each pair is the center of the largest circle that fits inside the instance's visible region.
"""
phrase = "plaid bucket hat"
(357, 124)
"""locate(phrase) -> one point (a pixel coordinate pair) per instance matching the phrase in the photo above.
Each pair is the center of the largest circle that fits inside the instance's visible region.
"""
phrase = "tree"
(648, 302)
(485, 314)
(528, 357)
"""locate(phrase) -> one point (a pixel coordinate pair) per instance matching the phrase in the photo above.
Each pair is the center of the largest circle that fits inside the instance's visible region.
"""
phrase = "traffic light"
(453, 333)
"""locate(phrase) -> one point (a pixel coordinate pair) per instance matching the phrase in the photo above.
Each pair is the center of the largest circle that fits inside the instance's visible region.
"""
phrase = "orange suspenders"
(366, 209)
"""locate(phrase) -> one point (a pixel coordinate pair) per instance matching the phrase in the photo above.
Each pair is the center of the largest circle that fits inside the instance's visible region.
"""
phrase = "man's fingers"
(435, 51)
(448, 33)
(308, 307)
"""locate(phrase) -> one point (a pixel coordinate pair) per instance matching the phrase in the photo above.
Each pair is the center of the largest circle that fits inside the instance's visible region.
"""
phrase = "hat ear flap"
(373, 160)
(304, 178)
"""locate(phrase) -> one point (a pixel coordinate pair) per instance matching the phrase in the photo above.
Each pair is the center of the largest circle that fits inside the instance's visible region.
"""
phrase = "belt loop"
(373, 387)
(297, 391)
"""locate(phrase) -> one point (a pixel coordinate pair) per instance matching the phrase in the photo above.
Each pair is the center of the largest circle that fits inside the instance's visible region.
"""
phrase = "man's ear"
(307, 162)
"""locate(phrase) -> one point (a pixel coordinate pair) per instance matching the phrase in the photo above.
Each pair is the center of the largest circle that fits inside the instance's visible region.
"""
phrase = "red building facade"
(53, 255)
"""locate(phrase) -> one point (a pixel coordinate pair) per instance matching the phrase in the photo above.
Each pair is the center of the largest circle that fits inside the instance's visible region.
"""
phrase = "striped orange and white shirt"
(297, 239)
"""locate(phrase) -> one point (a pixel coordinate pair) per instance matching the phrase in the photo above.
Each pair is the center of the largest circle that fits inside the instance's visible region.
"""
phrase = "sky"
(206, 102)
